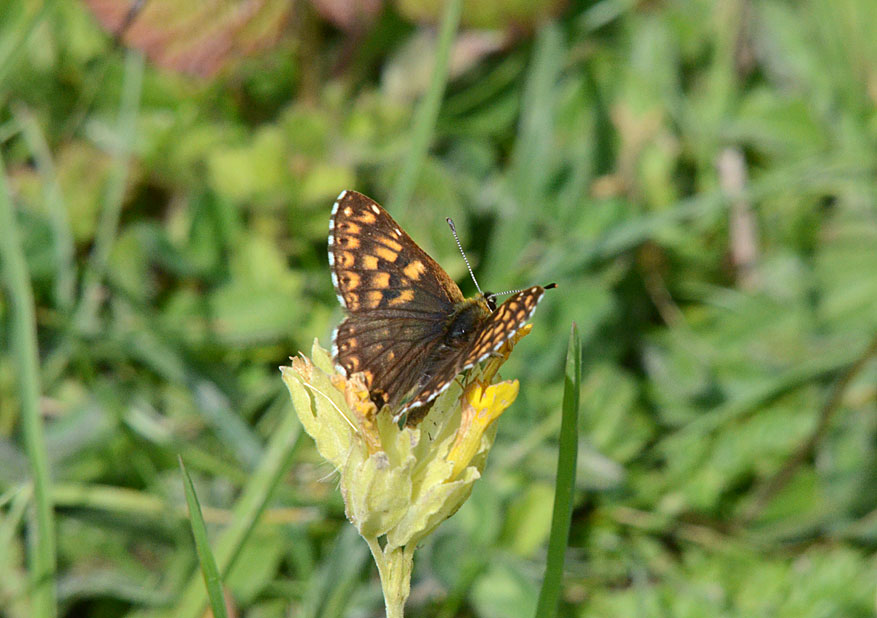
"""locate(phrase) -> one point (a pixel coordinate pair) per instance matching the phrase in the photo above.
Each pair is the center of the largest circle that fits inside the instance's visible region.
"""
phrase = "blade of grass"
(108, 223)
(18, 29)
(212, 580)
(749, 400)
(525, 192)
(427, 112)
(330, 589)
(23, 335)
(159, 351)
(62, 235)
(568, 258)
(16, 504)
(150, 509)
(767, 490)
(566, 480)
(246, 511)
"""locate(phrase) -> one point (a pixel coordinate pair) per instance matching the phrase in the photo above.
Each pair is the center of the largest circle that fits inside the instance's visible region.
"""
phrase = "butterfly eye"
(490, 299)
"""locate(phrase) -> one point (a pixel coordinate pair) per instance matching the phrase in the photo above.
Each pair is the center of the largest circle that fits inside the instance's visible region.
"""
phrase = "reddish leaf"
(194, 37)
(349, 15)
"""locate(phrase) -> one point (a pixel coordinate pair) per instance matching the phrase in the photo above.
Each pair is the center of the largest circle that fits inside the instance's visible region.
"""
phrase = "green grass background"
(173, 234)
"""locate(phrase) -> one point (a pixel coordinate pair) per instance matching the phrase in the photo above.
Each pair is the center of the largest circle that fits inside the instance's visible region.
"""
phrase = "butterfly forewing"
(376, 265)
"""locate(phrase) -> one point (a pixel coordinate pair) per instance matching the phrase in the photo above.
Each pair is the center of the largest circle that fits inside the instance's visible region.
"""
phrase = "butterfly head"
(467, 318)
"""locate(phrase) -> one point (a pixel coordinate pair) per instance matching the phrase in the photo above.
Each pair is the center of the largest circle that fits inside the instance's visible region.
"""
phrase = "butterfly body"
(408, 329)
(468, 316)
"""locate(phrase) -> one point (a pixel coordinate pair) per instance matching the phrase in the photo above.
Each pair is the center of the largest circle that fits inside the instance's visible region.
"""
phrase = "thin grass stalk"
(108, 224)
(525, 191)
(246, 512)
(23, 336)
(17, 35)
(427, 111)
(564, 488)
(212, 578)
(59, 220)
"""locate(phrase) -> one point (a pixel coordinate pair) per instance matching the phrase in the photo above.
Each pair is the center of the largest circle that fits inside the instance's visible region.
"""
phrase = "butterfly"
(409, 329)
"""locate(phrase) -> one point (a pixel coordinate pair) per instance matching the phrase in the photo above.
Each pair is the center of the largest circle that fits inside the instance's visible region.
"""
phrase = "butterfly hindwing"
(492, 333)
(392, 353)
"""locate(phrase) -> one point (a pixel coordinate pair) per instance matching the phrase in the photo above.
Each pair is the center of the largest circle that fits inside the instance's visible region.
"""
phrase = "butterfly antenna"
(495, 294)
(463, 253)
(547, 286)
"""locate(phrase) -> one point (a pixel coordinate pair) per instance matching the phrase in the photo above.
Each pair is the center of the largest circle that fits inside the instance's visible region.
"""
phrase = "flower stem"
(394, 567)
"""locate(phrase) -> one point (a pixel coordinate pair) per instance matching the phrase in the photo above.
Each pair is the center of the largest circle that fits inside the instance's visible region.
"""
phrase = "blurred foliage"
(175, 232)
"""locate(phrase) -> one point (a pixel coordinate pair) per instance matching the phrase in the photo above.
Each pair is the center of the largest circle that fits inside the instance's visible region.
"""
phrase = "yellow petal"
(481, 406)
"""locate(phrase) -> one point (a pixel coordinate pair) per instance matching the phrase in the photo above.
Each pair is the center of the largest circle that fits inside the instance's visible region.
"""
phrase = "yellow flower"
(398, 484)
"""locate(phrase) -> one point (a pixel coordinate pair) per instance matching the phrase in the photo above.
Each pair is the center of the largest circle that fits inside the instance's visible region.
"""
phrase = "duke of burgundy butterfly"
(408, 329)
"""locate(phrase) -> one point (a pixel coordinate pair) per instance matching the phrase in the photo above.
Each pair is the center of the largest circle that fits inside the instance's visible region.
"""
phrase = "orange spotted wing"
(408, 329)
